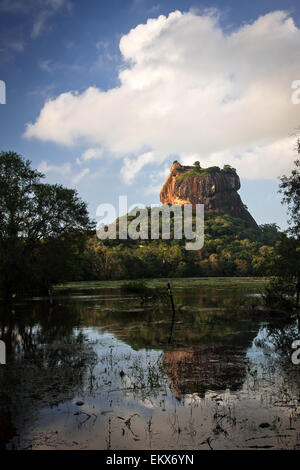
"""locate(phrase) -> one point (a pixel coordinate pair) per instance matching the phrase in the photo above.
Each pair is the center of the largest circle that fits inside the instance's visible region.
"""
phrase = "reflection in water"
(98, 371)
(204, 368)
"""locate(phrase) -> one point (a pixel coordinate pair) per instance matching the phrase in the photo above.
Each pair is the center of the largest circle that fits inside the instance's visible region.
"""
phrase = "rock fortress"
(216, 188)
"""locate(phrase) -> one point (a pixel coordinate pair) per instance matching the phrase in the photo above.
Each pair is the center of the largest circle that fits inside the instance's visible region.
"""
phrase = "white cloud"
(90, 154)
(60, 169)
(189, 88)
(133, 166)
(152, 190)
(158, 175)
(261, 160)
(65, 171)
(80, 175)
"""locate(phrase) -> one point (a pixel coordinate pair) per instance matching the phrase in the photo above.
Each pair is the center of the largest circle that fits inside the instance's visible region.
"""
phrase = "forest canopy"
(231, 248)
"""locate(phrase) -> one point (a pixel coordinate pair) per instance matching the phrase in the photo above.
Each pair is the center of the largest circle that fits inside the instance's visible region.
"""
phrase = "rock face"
(213, 187)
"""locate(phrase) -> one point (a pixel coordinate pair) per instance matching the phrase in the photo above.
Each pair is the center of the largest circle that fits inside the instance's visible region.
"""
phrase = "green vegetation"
(147, 294)
(135, 287)
(46, 239)
(290, 188)
(231, 249)
(284, 289)
(43, 229)
(197, 171)
(248, 283)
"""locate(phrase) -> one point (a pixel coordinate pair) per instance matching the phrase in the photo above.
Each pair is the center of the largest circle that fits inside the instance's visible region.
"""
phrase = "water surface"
(96, 370)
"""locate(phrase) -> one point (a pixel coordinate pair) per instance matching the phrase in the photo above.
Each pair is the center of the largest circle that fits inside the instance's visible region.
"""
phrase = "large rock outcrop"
(213, 187)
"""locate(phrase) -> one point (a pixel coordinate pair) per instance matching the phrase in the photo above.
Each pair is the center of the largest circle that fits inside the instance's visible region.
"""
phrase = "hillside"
(231, 248)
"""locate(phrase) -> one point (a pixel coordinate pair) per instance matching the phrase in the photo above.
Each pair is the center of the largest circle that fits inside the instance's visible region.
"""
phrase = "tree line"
(47, 237)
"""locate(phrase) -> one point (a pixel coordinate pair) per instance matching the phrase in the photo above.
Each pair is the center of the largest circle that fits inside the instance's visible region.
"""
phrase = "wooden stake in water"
(173, 310)
(171, 297)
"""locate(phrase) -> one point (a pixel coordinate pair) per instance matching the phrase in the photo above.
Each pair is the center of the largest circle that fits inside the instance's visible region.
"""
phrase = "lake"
(99, 369)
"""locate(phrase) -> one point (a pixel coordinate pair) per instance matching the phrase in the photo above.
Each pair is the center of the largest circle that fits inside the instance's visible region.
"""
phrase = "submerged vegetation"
(153, 295)
(252, 283)
(135, 287)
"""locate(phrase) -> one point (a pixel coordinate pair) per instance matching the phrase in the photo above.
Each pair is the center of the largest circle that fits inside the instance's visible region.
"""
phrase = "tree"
(229, 169)
(197, 165)
(289, 249)
(42, 228)
(290, 188)
(269, 234)
(284, 289)
(287, 265)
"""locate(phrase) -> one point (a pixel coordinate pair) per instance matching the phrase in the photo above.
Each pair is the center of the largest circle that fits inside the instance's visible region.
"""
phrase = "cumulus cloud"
(191, 89)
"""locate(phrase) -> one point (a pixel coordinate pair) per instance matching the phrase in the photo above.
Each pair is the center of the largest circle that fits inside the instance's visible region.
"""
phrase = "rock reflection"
(204, 368)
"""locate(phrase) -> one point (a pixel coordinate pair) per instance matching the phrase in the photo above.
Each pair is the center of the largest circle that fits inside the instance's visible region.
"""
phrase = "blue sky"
(234, 71)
